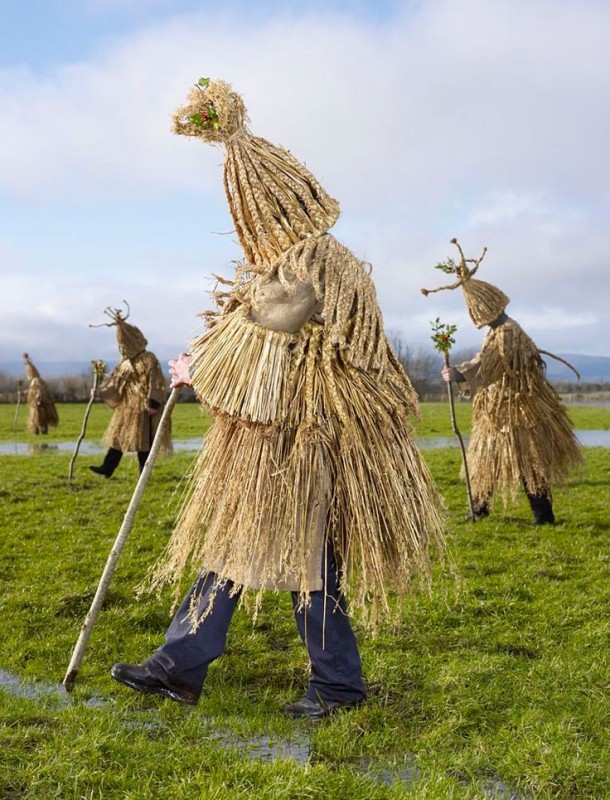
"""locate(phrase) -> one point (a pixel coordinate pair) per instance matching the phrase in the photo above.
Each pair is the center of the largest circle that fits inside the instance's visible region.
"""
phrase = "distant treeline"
(422, 364)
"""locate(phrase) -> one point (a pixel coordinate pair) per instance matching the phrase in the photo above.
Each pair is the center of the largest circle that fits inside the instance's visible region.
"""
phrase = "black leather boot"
(542, 507)
(481, 509)
(110, 463)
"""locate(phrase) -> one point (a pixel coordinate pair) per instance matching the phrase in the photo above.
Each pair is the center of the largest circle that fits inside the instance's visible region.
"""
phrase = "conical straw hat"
(30, 370)
(485, 302)
(274, 200)
(131, 340)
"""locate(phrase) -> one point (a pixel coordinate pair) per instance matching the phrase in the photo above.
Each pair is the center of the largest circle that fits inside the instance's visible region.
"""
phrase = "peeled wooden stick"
(19, 388)
(99, 368)
(442, 336)
(119, 542)
(456, 430)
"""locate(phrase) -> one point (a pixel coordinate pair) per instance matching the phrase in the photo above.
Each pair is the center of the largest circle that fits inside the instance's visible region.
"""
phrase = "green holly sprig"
(442, 335)
(208, 118)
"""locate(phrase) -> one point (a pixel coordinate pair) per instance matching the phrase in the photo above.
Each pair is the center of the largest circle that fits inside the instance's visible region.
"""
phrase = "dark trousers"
(336, 670)
(113, 459)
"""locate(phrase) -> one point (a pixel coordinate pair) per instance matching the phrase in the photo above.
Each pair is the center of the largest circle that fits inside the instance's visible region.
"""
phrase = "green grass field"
(495, 685)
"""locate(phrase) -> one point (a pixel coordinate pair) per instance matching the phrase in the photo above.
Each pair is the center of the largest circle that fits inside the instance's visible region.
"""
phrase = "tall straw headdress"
(131, 340)
(274, 200)
(484, 300)
(30, 369)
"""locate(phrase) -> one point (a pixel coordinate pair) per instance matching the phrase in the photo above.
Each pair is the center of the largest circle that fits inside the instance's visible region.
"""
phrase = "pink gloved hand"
(446, 373)
(179, 370)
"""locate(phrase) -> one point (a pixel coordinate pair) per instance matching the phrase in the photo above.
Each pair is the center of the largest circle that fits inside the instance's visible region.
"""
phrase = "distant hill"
(593, 369)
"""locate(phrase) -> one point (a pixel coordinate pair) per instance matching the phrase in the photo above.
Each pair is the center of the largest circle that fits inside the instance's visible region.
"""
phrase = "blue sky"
(481, 119)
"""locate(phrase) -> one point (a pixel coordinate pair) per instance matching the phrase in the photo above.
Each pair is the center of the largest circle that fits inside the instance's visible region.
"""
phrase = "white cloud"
(477, 118)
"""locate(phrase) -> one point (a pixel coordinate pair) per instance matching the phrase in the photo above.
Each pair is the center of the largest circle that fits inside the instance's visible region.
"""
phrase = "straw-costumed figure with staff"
(521, 434)
(43, 413)
(136, 390)
(309, 480)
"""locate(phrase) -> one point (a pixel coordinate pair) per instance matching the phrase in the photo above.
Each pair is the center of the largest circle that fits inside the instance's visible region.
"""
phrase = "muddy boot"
(110, 463)
(481, 509)
(542, 507)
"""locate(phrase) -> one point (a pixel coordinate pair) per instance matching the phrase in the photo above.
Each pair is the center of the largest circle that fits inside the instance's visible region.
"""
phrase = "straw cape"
(43, 413)
(312, 439)
(521, 434)
(128, 389)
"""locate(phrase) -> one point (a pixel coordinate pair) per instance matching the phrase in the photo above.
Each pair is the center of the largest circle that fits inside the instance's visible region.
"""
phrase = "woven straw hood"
(274, 200)
(131, 340)
(485, 301)
(30, 370)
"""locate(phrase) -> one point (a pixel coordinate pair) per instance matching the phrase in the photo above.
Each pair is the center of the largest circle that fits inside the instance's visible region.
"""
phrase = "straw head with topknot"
(274, 200)
(213, 112)
(485, 302)
(130, 340)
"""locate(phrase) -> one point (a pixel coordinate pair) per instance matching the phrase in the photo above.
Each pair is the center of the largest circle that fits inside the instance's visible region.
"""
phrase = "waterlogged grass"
(495, 685)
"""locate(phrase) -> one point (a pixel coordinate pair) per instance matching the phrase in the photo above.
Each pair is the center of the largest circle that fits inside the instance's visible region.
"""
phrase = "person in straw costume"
(40, 401)
(521, 434)
(136, 390)
(310, 480)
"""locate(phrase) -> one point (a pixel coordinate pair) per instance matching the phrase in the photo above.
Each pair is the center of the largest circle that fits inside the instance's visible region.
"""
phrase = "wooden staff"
(443, 339)
(99, 368)
(119, 542)
(19, 388)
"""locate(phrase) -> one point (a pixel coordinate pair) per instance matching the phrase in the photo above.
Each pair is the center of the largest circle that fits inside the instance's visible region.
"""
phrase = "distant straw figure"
(40, 401)
(521, 434)
(310, 480)
(137, 390)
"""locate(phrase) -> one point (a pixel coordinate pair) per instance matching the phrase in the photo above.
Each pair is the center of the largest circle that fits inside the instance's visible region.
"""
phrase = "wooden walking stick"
(19, 389)
(117, 547)
(98, 368)
(442, 336)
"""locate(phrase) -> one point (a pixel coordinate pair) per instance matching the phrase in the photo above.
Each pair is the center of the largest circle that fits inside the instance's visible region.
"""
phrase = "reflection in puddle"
(258, 747)
(266, 748)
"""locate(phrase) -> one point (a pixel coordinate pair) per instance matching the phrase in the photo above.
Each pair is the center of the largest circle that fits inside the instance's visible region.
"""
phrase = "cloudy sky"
(487, 120)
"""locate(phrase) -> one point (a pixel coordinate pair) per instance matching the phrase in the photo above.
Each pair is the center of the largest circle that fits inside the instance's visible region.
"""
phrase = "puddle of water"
(87, 448)
(32, 691)
(593, 438)
(266, 748)
(257, 747)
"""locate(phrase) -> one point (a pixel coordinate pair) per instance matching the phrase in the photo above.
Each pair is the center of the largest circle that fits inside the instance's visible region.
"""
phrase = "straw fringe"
(263, 498)
(133, 381)
(521, 431)
(240, 368)
(43, 413)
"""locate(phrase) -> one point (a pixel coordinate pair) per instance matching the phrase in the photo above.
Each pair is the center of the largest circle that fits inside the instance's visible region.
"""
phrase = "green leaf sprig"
(208, 118)
(442, 335)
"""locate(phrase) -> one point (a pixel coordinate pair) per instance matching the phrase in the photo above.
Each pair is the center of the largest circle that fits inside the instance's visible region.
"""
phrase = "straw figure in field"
(309, 480)
(43, 413)
(521, 434)
(136, 390)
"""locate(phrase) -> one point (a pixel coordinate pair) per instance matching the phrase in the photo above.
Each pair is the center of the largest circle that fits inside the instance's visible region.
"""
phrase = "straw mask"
(485, 301)
(274, 200)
